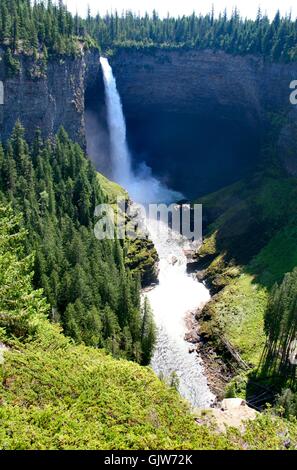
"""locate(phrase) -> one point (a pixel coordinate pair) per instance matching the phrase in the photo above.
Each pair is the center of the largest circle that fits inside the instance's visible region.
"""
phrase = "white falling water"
(142, 186)
(177, 293)
(120, 157)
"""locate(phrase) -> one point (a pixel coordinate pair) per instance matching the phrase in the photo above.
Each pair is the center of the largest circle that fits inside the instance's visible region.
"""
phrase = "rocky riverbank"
(216, 370)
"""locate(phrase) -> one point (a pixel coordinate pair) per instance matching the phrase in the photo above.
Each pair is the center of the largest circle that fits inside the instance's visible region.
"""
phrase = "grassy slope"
(250, 245)
(141, 255)
(111, 190)
(236, 313)
(55, 395)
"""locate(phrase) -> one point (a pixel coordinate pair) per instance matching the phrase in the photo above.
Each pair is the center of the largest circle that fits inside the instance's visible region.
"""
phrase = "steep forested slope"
(85, 280)
(55, 395)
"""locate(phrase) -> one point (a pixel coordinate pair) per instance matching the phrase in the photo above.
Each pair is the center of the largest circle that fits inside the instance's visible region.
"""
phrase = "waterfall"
(120, 157)
(177, 293)
(140, 183)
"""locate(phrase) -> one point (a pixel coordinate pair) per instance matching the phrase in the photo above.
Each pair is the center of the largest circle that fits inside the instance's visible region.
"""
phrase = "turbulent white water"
(175, 296)
(177, 293)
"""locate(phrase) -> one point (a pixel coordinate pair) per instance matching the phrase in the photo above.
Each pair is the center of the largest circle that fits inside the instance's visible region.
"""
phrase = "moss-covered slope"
(249, 245)
(55, 395)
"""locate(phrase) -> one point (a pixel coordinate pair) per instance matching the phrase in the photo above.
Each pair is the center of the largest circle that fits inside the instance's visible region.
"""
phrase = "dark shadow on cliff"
(96, 126)
(194, 155)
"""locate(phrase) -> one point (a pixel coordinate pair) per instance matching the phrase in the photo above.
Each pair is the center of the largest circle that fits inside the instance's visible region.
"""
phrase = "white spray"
(177, 293)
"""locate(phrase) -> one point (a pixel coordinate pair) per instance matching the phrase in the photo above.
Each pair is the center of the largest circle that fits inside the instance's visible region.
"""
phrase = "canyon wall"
(47, 99)
(180, 89)
(201, 113)
(204, 82)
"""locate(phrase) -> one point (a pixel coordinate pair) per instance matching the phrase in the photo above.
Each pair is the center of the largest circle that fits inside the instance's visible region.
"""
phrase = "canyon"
(184, 109)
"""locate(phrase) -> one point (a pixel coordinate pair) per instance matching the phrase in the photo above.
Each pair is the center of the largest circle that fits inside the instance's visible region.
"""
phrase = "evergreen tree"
(85, 281)
(39, 26)
(148, 333)
(19, 303)
(281, 329)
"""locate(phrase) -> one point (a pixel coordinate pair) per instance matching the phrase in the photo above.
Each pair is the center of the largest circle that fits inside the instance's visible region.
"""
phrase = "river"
(177, 293)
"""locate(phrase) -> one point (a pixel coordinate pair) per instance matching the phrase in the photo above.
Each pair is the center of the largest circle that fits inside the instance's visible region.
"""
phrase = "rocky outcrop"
(47, 98)
(233, 412)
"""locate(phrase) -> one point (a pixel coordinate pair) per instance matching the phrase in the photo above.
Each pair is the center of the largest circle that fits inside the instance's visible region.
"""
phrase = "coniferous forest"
(85, 281)
(77, 332)
(49, 28)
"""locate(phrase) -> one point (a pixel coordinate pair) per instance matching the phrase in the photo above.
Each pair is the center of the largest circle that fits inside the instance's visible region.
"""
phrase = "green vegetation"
(236, 314)
(90, 291)
(41, 28)
(112, 191)
(275, 40)
(141, 256)
(250, 245)
(56, 395)
(148, 332)
(287, 403)
(12, 63)
(281, 329)
(77, 398)
(48, 28)
(19, 303)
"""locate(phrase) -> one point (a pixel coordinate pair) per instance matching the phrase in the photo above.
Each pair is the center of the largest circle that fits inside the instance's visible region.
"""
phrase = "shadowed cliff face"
(193, 117)
(196, 117)
(97, 136)
(204, 83)
(194, 155)
(48, 98)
